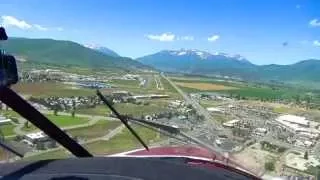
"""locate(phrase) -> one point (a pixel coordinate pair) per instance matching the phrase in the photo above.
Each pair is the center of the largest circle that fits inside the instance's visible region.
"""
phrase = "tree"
(201, 117)
(40, 146)
(26, 124)
(269, 166)
(55, 111)
(238, 97)
(308, 100)
(297, 99)
(306, 156)
(73, 110)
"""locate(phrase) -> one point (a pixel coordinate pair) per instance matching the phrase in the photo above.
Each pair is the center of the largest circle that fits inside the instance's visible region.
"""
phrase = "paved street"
(200, 110)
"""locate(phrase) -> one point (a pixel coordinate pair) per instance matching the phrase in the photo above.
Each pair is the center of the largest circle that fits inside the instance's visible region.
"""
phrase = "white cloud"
(39, 27)
(314, 22)
(9, 21)
(298, 6)
(187, 38)
(213, 38)
(316, 43)
(162, 37)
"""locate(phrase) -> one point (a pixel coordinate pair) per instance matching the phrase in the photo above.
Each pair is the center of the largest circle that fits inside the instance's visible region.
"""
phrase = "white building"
(231, 123)
(298, 125)
(4, 120)
(175, 104)
(36, 137)
(214, 109)
(294, 120)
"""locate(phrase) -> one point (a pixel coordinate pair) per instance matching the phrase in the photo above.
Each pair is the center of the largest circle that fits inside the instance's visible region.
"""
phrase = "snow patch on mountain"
(204, 55)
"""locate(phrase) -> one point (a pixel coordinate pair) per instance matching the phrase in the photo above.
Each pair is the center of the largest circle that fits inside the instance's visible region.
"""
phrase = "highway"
(200, 110)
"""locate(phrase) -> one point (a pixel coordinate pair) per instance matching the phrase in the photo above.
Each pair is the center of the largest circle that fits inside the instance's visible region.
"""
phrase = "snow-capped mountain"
(184, 52)
(196, 61)
(102, 49)
(203, 54)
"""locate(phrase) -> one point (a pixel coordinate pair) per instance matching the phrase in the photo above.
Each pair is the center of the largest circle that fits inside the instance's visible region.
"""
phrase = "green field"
(167, 86)
(97, 130)
(61, 121)
(7, 130)
(57, 154)
(125, 83)
(119, 143)
(247, 90)
(9, 113)
(101, 110)
(138, 110)
(46, 89)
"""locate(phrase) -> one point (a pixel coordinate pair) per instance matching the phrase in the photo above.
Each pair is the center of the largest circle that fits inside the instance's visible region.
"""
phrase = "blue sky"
(255, 29)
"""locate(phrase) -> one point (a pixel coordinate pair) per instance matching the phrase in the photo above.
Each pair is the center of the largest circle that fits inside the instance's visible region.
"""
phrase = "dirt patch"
(205, 86)
(254, 158)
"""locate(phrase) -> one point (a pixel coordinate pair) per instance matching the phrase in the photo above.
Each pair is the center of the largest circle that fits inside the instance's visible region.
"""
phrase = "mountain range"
(186, 61)
(222, 64)
(102, 49)
(66, 53)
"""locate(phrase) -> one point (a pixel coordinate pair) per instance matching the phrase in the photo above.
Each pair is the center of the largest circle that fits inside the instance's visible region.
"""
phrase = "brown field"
(205, 86)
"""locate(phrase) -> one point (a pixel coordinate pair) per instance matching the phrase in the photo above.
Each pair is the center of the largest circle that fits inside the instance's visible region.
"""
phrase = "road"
(200, 110)
(92, 120)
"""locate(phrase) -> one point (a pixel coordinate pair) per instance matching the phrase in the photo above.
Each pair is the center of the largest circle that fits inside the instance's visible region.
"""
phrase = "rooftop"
(37, 135)
(293, 119)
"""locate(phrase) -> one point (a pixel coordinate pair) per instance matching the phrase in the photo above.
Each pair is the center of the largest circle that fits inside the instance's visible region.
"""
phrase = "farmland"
(97, 110)
(205, 86)
(50, 89)
(138, 110)
(241, 89)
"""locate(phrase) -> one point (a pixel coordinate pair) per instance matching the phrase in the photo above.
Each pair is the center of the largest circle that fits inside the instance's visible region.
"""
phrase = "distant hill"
(221, 64)
(102, 49)
(65, 53)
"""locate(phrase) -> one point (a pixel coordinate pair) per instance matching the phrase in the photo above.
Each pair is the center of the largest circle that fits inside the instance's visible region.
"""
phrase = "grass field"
(237, 88)
(9, 113)
(7, 130)
(46, 89)
(58, 154)
(119, 143)
(125, 83)
(97, 130)
(138, 110)
(101, 110)
(61, 121)
(205, 86)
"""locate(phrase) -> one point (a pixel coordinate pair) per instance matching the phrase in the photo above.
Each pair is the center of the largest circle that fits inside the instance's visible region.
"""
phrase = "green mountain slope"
(65, 53)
